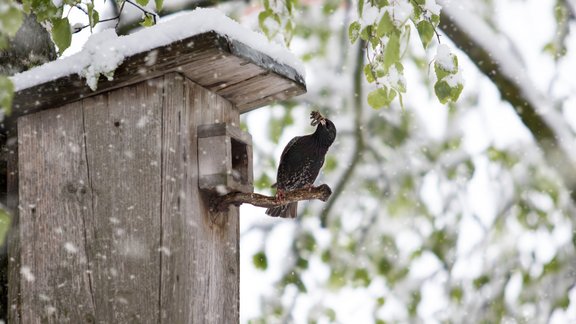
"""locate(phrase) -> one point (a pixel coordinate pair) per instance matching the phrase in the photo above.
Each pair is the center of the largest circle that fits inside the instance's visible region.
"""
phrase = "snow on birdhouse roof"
(204, 45)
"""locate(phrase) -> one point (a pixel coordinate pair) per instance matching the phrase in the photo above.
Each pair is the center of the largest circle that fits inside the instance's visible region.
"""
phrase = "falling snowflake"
(26, 272)
(70, 247)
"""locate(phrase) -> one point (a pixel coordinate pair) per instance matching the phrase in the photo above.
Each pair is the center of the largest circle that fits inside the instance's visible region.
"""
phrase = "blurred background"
(460, 212)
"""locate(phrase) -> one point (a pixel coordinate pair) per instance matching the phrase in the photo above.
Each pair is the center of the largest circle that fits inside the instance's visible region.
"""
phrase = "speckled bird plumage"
(301, 161)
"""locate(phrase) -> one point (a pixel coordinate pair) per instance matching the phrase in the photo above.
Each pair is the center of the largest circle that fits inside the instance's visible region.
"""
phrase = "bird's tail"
(284, 211)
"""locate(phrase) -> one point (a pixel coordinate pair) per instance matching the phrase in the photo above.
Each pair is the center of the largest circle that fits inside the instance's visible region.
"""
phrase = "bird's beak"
(323, 122)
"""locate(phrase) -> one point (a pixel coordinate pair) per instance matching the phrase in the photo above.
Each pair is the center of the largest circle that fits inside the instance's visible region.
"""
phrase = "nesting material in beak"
(317, 118)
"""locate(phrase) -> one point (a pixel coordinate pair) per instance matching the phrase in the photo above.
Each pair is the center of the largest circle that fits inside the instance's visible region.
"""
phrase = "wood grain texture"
(200, 274)
(113, 227)
(238, 73)
(13, 238)
(54, 205)
(123, 149)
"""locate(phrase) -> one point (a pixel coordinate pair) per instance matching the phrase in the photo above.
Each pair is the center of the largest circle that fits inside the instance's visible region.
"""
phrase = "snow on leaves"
(385, 27)
(449, 83)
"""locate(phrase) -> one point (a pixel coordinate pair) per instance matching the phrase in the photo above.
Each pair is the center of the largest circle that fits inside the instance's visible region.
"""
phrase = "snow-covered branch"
(494, 56)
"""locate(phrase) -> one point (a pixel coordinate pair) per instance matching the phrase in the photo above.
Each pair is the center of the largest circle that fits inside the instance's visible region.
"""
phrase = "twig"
(221, 203)
(117, 17)
(427, 18)
(358, 136)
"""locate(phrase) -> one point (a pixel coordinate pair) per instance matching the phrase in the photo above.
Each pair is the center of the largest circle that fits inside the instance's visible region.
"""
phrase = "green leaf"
(362, 276)
(369, 73)
(6, 94)
(384, 266)
(263, 182)
(93, 16)
(260, 261)
(26, 6)
(293, 278)
(381, 97)
(3, 41)
(366, 33)
(61, 33)
(385, 26)
(5, 221)
(381, 3)
(45, 10)
(392, 51)
(415, 299)
(551, 267)
(337, 279)
(354, 31)
(481, 281)
(563, 302)
(445, 93)
(426, 32)
(10, 20)
(290, 4)
(143, 3)
(331, 164)
(266, 19)
(148, 21)
(159, 4)
(456, 294)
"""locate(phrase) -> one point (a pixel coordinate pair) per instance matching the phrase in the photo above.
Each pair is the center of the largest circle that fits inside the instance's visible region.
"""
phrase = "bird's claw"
(280, 195)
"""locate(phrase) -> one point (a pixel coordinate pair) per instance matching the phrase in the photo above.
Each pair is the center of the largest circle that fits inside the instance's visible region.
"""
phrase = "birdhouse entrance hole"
(239, 161)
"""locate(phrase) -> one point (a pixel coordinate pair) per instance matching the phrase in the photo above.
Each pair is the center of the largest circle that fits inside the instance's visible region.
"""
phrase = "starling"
(301, 161)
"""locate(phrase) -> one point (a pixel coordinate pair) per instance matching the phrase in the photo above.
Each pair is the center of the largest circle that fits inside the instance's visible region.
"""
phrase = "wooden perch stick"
(220, 203)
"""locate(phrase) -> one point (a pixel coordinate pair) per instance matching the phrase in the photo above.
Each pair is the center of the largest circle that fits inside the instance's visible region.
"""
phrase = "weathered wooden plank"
(123, 147)
(200, 275)
(221, 234)
(210, 60)
(54, 205)
(13, 239)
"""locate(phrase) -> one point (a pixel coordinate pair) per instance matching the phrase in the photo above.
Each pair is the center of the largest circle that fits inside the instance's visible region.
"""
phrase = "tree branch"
(221, 203)
(358, 135)
(548, 130)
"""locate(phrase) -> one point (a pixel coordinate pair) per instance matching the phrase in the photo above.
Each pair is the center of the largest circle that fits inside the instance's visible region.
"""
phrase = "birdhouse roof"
(204, 45)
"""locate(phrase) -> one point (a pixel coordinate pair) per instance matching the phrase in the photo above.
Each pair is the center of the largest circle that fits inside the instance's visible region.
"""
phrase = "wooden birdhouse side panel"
(113, 225)
(124, 151)
(90, 182)
(55, 203)
(200, 279)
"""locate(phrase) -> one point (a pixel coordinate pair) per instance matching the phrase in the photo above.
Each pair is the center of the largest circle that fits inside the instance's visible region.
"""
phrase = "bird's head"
(325, 128)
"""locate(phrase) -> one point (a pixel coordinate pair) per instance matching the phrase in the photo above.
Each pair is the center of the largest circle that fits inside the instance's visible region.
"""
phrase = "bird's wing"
(288, 146)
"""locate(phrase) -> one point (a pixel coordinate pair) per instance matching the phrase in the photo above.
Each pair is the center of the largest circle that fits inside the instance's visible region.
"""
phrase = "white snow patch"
(142, 122)
(70, 248)
(445, 58)
(105, 51)
(26, 272)
(166, 251)
(401, 11)
(43, 297)
(221, 190)
(370, 14)
(454, 80)
(432, 7)
(133, 248)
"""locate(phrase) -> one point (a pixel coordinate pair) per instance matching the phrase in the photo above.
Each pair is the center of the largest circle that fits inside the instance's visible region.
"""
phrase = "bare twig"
(147, 13)
(220, 203)
(358, 135)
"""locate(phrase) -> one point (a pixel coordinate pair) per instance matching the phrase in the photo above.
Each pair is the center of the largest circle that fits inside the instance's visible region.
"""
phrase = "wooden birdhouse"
(109, 184)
